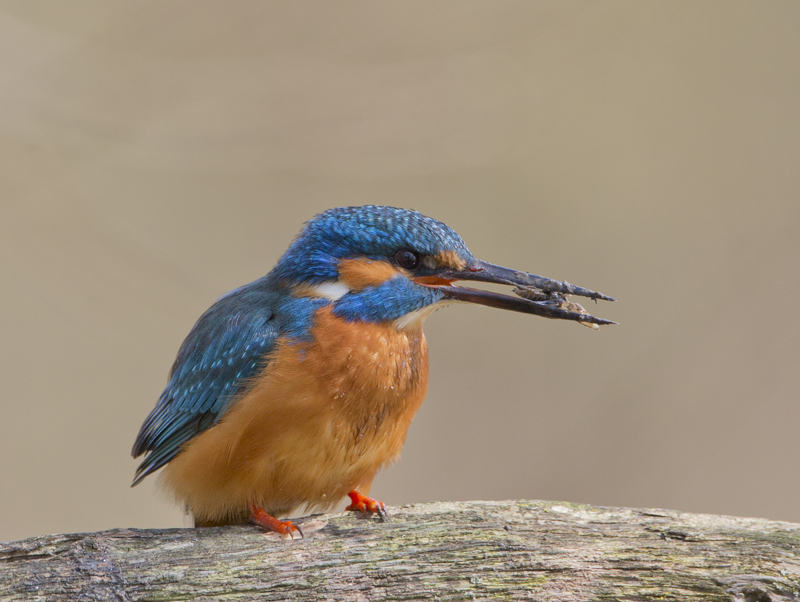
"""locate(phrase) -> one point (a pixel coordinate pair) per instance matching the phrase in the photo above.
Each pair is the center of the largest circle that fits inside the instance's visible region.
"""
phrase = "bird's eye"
(406, 258)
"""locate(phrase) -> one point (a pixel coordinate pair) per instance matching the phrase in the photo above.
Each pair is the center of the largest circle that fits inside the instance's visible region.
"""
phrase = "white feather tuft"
(333, 290)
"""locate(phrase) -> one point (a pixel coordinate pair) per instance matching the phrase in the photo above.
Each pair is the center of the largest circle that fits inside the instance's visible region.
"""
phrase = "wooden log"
(437, 551)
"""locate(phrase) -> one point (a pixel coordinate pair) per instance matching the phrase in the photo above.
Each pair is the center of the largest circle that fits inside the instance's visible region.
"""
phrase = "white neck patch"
(416, 318)
(333, 290)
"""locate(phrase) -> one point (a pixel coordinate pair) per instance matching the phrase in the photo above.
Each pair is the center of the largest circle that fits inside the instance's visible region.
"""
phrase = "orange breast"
(321, 420)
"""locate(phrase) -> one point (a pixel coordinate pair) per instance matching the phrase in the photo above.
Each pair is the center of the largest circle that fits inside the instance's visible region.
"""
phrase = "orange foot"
(362, 503)
(270, 523)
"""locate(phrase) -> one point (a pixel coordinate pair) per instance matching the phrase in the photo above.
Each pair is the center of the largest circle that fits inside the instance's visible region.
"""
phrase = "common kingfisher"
(293, 391)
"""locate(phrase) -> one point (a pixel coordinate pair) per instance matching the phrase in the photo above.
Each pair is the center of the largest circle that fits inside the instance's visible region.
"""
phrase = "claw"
(362, 503)
(269, 523)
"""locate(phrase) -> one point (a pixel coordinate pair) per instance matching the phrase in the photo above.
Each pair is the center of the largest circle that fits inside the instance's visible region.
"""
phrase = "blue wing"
(226, 349)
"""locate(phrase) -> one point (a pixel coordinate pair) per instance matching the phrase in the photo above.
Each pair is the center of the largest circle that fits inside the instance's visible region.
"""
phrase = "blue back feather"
(227, 348)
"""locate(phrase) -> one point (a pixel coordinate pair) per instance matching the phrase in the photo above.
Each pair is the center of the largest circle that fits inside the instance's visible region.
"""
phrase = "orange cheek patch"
(451, 259)
(361, 273)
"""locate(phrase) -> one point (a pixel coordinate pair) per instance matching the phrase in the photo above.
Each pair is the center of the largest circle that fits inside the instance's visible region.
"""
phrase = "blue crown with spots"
(371, 231)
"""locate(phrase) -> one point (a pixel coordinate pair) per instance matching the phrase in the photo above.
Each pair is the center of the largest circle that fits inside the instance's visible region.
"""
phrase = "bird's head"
(384, 264)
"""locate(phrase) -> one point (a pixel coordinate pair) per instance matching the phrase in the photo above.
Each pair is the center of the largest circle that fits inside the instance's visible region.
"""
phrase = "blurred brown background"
(154, 155)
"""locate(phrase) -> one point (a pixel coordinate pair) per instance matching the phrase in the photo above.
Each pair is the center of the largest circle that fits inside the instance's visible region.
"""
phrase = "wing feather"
(226, 349)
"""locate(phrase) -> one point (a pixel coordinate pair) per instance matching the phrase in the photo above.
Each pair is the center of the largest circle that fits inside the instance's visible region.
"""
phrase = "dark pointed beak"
(537, 295)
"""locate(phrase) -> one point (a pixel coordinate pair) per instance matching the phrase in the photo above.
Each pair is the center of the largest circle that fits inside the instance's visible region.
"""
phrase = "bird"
(295, 390)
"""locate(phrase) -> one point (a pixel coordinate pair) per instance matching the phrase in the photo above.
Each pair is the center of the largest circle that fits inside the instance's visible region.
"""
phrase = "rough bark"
(438, 551)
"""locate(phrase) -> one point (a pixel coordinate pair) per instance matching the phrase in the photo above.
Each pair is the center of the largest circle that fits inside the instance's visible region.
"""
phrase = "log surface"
(437, 551)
